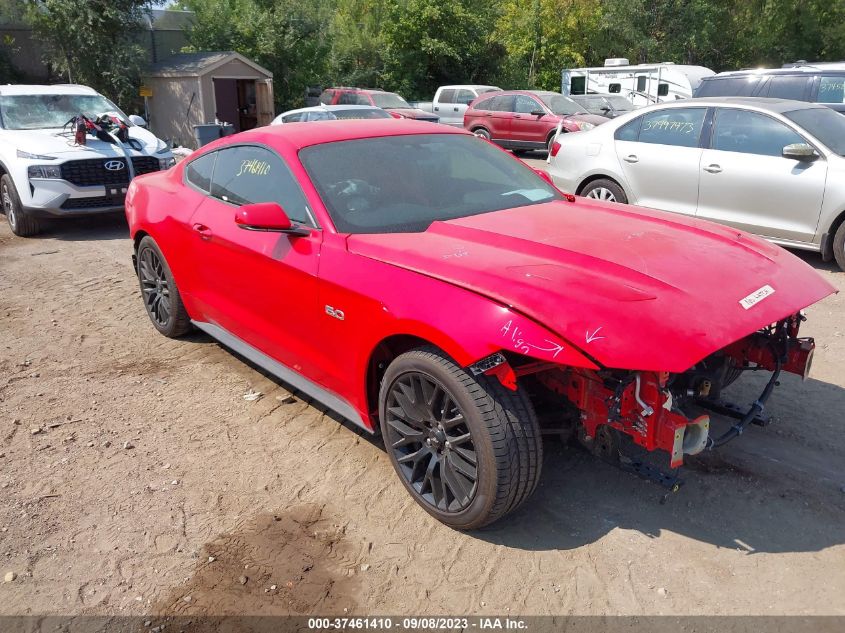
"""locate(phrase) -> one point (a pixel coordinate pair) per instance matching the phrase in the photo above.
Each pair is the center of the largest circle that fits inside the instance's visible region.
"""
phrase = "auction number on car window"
(254, 167)
(667, 125)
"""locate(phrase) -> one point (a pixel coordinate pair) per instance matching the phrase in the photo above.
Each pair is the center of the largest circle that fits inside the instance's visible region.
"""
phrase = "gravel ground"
(136, 479)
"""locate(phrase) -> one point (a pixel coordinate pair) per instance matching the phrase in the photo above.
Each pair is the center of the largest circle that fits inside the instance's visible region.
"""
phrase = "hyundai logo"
(114, 165)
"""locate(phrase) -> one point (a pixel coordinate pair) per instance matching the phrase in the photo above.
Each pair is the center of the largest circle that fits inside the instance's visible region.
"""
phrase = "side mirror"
(268, 217)
(538, 113)
(800, 151)
(134, 119)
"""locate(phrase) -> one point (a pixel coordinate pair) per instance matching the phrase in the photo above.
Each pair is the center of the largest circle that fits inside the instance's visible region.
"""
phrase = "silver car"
(773, 167)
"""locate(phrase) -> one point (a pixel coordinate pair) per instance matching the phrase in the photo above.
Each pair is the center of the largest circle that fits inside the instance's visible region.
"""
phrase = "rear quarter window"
(200, 171)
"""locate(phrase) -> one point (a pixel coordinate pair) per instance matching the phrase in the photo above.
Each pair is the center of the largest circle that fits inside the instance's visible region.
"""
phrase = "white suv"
(45, 173)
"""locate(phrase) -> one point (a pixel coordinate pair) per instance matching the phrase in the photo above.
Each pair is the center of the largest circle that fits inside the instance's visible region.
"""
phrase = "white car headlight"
(585, 125)
(28, 156)
(44, 171)
(162, 147)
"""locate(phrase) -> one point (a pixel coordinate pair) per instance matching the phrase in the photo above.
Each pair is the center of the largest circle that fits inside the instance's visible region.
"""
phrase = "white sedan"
(773, 167)
(330, 113)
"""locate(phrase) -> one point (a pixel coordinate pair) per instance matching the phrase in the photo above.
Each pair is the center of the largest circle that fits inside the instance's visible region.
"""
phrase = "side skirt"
(282, 372)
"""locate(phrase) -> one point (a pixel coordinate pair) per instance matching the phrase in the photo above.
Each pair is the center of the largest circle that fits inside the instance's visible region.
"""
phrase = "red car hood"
(632, 288)
(412, 113)
(595, 119)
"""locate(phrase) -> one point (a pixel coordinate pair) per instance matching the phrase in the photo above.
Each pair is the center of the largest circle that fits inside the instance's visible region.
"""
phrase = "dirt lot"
(137, 479)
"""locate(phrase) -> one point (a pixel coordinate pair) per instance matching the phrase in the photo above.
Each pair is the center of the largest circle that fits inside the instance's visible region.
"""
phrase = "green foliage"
(93, 42)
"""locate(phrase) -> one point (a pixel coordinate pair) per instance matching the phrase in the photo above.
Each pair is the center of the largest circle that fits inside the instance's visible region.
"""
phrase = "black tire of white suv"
(839, 246)
(22, 225)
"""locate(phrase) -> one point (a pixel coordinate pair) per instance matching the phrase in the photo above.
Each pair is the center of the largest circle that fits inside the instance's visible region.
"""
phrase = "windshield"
(36, 112)
(389, 100)
(620, 104)
(825, 124)
(361, 113)
(560, 104)
(401, 184)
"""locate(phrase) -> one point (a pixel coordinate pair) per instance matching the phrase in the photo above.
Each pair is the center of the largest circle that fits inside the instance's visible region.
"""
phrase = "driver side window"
(246, 174)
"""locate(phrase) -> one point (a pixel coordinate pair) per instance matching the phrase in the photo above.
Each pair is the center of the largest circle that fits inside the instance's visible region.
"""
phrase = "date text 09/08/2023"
(420, 623)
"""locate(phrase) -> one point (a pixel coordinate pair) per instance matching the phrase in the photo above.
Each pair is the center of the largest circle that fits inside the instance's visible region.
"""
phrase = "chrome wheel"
(432, 444)
(154, 286)
(601, 193)
(9, 207)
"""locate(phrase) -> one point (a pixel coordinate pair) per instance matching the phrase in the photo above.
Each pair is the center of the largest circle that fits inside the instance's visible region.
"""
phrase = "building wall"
(170, 115)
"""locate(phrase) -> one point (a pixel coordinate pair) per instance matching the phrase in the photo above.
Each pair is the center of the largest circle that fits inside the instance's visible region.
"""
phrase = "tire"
(21, 224)
(839, 246)
(159, 291)
(482, 133)
(606, 190)
(432, 409)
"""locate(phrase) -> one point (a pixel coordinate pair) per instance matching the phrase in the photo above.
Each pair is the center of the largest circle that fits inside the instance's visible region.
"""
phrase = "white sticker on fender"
(756, 297)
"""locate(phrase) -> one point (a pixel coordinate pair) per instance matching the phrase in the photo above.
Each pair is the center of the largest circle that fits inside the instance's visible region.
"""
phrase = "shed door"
(264, 101)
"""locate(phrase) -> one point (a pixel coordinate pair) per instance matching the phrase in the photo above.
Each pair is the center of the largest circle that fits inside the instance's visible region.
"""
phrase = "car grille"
(91, 172)
(91, 203)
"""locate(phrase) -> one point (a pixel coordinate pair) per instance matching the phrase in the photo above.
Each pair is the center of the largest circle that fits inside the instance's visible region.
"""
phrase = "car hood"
(595, 119)
(411, 113)
(57, 142)
(632, 288)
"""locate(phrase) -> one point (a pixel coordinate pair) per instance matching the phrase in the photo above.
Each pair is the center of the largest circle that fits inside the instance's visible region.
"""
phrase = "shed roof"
(195, 64)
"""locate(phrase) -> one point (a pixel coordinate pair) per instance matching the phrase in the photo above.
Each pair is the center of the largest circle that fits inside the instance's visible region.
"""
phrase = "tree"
(93, 42)
(429, 42)
(287, 37)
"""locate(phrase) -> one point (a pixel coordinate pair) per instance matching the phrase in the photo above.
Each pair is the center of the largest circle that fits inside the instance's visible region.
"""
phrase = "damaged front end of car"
(625, 415)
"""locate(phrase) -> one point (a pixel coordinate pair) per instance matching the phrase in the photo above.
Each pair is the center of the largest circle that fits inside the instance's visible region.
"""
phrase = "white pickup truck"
(46, 173)
(450, 102)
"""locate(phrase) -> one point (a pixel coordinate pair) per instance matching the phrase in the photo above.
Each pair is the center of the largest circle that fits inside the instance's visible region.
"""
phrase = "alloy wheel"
(154, 286)
(601, 193)
(9, 207)
(431, 441)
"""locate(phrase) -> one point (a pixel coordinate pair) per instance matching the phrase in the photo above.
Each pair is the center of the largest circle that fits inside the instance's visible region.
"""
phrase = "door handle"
(437, 109)
(203, 230)
(488, 114)
(713, 169)
(516, 116)
(631, 158)
(456, 109)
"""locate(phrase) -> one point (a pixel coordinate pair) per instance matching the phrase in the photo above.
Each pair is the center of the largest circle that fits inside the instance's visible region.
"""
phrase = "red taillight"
(555, 148)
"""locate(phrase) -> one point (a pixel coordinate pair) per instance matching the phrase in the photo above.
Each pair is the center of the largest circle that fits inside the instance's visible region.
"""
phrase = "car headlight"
(584, 126)
(162, 147)
(28, 156)
(44, 171)
(166, 163)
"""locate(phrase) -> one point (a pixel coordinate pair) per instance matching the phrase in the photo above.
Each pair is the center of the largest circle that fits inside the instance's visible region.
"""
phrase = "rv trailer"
(641, 84)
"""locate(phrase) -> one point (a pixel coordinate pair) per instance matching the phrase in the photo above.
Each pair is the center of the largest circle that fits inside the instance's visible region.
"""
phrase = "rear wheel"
(467, 449)
(159, 292)
(606, 190)
(21, 225)
(839, 246)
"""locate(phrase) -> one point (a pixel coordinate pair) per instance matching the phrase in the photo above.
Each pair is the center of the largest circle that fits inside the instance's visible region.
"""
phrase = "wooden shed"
(190, 89)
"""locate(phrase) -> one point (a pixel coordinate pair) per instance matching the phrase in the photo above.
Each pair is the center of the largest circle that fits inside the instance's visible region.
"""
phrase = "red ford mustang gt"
(422, 282)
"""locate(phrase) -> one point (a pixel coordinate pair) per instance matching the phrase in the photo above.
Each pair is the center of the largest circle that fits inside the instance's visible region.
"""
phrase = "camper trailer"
(641, 84)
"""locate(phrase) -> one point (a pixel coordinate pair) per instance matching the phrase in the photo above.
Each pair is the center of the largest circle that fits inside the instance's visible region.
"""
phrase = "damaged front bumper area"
(663, 411)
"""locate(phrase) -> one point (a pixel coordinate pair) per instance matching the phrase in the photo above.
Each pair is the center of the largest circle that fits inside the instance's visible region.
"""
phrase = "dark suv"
(818, 83)
(390, 101)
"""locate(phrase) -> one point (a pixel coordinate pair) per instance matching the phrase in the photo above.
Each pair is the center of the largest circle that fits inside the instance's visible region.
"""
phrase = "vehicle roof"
(367, 90)
(300, 136)
(469, 86)
(792, 70)
(763, 103)
(56, 89)
(329, 108)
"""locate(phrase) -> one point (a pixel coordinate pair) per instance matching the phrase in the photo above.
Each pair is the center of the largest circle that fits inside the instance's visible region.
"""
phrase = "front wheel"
(482, 133)
(839, 246)
(21, 225)
(606, 190)
(467, 449)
